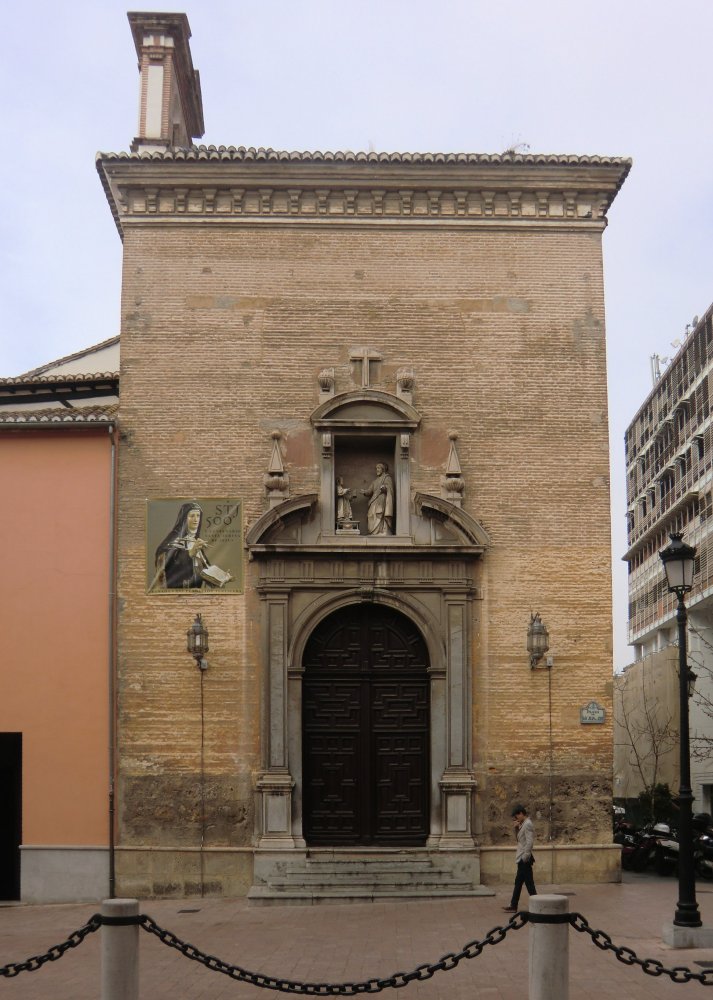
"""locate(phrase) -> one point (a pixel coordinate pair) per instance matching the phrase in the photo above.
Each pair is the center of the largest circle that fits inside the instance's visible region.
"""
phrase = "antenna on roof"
(656, 360)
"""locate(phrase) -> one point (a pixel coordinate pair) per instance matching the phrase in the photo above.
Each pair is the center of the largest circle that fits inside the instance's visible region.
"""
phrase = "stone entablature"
(229, 185)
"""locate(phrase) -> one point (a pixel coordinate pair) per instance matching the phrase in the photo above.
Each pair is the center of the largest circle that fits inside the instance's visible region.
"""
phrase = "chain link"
(396, 981)
(651, 966)
(55, 952)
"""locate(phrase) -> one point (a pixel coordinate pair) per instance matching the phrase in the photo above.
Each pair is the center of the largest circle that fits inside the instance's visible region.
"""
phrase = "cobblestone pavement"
(351, 942)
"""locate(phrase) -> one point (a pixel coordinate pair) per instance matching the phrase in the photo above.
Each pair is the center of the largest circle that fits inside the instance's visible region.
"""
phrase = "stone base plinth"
(687, 937)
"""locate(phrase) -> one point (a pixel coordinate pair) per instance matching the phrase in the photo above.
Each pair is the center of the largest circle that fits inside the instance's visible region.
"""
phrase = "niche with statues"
(364, 472)
(364, 485)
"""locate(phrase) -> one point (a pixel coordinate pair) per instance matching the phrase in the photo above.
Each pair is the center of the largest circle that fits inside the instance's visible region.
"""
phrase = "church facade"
(363, 435)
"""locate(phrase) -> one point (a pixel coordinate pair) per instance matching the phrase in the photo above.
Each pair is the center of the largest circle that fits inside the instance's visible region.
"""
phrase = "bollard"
(549, 951)
(120, 952)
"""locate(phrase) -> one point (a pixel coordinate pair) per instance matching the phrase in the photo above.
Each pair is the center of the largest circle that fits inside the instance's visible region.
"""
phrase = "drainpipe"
(111, 638)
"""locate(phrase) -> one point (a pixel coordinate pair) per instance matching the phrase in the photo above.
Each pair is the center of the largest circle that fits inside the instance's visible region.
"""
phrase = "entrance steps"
(332, 875)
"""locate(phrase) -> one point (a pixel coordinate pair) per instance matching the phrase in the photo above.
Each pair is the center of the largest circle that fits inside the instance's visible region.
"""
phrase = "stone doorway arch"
(365, 730)
(432, 578)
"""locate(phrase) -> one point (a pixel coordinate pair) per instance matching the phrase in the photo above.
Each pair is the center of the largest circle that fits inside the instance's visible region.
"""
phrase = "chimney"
(170, 105)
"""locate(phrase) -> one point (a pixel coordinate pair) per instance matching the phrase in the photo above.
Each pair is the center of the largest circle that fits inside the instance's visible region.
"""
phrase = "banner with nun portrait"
(194, 544)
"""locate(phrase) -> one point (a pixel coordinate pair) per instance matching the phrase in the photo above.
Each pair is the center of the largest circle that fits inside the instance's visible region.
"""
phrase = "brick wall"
(224, 329)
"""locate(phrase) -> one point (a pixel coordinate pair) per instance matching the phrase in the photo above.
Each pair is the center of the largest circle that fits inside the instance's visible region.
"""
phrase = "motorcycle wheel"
(662, 865)
(640, 860)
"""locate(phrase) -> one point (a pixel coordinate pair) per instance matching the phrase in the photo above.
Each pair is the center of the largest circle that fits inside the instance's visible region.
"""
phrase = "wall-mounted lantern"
(197, 636)
(538, 640)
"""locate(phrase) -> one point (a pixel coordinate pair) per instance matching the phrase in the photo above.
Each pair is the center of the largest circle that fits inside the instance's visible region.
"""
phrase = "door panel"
(366, 730)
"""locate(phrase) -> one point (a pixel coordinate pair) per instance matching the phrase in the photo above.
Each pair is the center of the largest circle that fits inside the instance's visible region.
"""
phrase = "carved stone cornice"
(231, 186)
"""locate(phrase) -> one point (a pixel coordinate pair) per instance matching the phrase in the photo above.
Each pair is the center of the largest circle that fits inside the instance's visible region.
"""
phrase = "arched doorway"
(365, 730)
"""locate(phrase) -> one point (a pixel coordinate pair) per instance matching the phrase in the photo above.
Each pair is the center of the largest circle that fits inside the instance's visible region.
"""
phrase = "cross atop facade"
(366, 355)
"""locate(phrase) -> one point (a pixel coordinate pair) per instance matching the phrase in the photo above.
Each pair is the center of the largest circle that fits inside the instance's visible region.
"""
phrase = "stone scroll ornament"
(380, 514)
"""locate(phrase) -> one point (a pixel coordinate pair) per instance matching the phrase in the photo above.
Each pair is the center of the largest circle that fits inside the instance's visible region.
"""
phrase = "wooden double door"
(365, 730)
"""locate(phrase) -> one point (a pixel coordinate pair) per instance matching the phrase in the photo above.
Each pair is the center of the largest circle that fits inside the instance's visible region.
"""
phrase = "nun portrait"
(180, 559)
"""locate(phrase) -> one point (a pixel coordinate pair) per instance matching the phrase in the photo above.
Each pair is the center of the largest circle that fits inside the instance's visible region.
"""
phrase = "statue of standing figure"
(380, 515)
(344, 507)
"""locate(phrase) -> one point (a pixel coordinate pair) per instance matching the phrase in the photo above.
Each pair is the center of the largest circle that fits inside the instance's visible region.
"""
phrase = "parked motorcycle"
(645, 849)
(625, 834)
(667, 849)
(703, 845)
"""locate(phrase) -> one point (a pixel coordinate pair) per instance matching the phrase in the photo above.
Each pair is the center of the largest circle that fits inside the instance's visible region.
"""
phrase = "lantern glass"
(678, 560)
(691, 682)
(538, 638)
(197, 637)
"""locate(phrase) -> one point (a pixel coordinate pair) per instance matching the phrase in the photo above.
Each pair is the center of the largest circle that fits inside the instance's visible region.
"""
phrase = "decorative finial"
(453, 484)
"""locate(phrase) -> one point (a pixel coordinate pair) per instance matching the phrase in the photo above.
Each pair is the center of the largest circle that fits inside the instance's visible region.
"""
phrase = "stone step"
(423, 879)
(333, 865)
(267, 895)
(363, 875)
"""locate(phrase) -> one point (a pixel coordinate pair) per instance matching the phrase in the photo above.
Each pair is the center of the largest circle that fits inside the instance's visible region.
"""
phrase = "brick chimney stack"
(170, 105)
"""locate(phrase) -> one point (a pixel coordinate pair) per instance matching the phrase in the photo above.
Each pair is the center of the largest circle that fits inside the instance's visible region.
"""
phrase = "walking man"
(524, 858)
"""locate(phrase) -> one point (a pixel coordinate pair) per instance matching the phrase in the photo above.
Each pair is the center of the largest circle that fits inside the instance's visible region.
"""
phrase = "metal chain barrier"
(55, 952)
(396, 981)
(651, 966)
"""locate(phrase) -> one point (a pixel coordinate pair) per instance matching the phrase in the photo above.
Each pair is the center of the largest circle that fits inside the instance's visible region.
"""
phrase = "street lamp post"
(678, 560)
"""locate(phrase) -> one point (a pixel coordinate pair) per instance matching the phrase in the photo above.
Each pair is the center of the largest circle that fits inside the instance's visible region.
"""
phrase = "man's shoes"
(510, 909)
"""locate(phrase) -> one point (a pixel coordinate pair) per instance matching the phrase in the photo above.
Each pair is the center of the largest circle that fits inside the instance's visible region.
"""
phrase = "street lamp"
(678, 561)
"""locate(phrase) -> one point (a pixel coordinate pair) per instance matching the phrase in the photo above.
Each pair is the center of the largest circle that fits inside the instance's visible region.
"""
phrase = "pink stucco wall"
(54, 596)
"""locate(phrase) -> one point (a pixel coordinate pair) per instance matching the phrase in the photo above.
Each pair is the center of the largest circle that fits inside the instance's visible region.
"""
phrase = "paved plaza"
(337, 943)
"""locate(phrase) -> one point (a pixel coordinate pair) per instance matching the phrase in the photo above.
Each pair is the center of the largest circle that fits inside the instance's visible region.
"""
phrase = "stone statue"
(344, 507)
(380, 515)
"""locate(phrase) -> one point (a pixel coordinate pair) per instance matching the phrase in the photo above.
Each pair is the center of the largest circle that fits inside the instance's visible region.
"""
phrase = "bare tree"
(648, 732)
(702, 743)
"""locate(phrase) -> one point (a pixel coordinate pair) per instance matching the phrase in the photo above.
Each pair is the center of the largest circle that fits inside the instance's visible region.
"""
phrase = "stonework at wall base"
(218, 809)
(564, 808)
(59, 874)
(558, 864)
(178, 873)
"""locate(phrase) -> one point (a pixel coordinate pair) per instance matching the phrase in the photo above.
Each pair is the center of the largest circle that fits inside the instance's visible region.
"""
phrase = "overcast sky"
(612, 77)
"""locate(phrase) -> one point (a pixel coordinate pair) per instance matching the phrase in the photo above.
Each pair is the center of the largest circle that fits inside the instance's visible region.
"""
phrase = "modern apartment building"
(669, 461)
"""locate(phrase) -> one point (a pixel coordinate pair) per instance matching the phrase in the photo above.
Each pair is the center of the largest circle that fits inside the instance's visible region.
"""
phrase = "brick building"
(393, 367)
(669, 455)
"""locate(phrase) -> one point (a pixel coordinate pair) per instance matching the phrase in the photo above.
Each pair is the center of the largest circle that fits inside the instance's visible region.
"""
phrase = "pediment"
(367, 408)
(283, 522)
(455, 523)
(294, 526)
